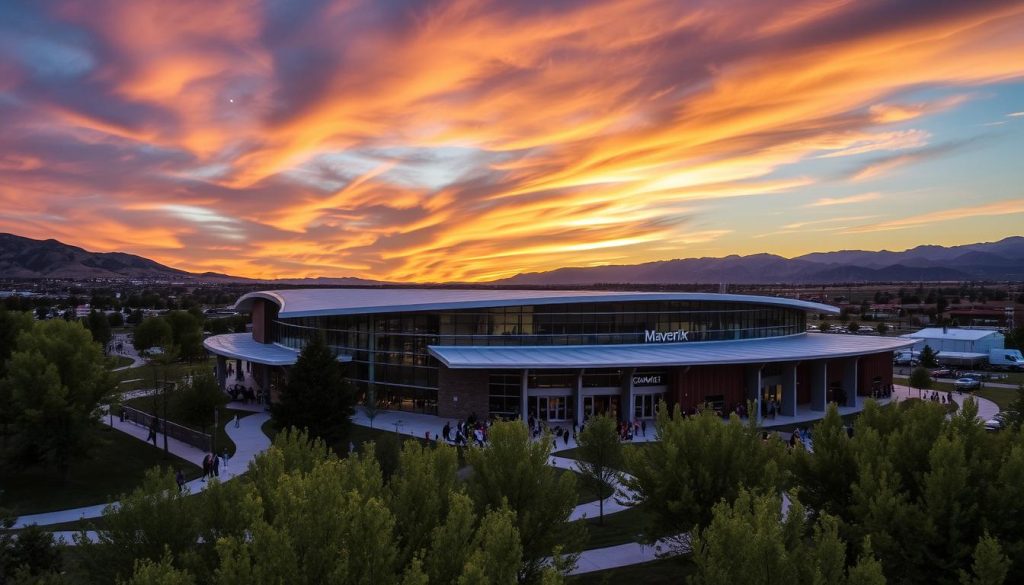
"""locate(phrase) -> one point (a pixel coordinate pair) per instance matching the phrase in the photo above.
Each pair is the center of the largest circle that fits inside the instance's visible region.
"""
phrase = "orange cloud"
(468, 140)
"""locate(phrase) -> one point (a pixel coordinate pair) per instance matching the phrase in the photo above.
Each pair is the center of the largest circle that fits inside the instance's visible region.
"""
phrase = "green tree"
(186, 334)
(418, 494)
(853, 327)
(316, 396)
(990, 564)
(153, 332)
(698, 462)
(163, 572)
(99, 326)
(882, 328)
(600, 457)
(928, 358)
(751, 541)
(1012, 417)
(198, 398)
(514, 472)
(56, 379)
(920, 378)
(12, 324)
(826, 476)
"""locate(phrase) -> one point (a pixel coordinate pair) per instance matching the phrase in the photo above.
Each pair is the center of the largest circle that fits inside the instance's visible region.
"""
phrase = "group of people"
(211, 468)
(940, 397)
(465, 431)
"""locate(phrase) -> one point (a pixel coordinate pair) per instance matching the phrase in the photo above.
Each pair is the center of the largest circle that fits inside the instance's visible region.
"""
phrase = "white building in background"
(979, 341)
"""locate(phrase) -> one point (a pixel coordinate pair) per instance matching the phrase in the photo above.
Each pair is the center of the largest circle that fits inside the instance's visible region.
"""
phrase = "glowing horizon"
(467, 141)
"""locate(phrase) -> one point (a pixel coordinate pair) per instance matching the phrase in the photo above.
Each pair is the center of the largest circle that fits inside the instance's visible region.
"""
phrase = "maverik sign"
(663, 337)
(647, 380)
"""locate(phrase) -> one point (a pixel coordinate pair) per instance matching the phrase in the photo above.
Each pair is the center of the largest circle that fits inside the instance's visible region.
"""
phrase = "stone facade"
(461, 393)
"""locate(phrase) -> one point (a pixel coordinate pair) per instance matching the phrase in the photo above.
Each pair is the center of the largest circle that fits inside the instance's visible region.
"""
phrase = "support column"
(754, 390)
(524, 403)
(850, 381)
(788, 406)
(627, 396)
(819, 384)
(578, 396)
(222, 372)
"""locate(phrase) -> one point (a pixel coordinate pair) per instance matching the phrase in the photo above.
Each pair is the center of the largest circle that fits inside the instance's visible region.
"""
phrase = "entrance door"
(553, 408)
(597, 405)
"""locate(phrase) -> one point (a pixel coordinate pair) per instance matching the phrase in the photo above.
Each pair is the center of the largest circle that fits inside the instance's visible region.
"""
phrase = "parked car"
(993, 424)
(967, 384)
(865, 330)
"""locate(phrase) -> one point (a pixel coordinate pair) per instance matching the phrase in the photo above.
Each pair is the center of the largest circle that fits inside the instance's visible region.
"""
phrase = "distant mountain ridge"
(22, 257)
(1002, 260)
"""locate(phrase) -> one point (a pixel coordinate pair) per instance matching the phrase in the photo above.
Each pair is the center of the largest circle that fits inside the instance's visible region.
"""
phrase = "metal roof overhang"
(341, 301)
(804, 346)
(241, 346)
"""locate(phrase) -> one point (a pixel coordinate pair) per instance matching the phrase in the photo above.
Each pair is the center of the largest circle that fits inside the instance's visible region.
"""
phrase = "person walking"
(153, 425)
(643, 427)
(225, 457)
(180, 478)
(215, 464)
(206, 466)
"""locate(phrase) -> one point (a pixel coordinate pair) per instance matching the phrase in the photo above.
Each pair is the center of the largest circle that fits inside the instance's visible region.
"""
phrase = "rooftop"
(354, 301)
(799, 347)
(951, 334)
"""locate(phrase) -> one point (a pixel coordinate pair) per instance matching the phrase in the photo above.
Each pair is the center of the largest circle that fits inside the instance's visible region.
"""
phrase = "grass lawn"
(618, 528)
(673, 571)
(585, 494)
(1001, 396)
(150, 403)
(118, 361)
(142, 376)
(116, 466)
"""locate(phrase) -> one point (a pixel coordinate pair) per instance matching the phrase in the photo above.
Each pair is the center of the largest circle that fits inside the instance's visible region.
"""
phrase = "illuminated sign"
(663, 337)
(650, 380)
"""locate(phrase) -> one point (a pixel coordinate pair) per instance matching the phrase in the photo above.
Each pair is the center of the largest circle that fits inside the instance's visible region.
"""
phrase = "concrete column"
(578, 397)
(626, 397)
(524, 403)
(754, 390)
(819, 385)
(850, 381)
(788, 406)
(222, 372)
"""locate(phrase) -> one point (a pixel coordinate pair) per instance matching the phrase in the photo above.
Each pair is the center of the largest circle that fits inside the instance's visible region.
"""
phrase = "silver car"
(967, 384)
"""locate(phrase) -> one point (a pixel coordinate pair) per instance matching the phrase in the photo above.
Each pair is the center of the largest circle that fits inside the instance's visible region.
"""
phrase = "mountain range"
(22, 257)
(1002, 260)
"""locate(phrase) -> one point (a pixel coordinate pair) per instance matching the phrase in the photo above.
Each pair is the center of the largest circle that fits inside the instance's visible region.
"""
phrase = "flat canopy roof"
(953, 334)
(356, 301)
(804, 346)
(241, 346)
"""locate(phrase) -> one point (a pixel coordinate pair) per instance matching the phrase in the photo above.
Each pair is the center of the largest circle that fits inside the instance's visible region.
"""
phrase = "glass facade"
(390, 349)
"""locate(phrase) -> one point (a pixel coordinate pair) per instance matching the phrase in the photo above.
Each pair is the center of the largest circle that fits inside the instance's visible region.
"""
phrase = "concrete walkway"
(249, 441)
(987, 410)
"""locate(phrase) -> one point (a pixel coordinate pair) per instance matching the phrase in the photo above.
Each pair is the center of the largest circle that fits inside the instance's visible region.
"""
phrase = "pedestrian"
(447, 432)
(180, 478)
(643, 427)
(236, 421)
(225, 457)
(565, 437)
(153, 425)
(215, 462)
(206, 466)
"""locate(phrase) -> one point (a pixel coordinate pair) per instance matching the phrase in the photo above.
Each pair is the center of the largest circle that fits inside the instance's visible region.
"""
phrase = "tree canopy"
(316, 397)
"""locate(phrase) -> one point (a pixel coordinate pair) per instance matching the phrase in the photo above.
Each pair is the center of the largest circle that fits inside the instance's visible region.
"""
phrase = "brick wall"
(461, 393)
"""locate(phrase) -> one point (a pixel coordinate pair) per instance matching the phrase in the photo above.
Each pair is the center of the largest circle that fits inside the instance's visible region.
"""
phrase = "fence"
(182, 433)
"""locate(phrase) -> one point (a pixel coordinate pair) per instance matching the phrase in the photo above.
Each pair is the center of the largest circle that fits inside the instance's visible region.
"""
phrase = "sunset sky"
(472, 140)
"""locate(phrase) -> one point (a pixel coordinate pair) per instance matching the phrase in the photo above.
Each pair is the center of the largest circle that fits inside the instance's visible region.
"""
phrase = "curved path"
(249, 441)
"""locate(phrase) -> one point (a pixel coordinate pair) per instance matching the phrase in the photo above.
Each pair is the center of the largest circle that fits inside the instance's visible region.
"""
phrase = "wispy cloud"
(852, 199)
(461, 139)
(1008, 207)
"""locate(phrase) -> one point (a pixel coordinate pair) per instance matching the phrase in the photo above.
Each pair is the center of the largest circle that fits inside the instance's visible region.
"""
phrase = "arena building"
(562, 355)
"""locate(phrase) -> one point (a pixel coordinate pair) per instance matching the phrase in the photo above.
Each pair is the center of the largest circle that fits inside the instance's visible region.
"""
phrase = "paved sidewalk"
(621, 555)
(249, 441)
(987, 410)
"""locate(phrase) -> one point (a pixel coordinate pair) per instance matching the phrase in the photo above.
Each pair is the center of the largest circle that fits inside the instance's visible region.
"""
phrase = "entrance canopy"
(805, 346)
(241, 346)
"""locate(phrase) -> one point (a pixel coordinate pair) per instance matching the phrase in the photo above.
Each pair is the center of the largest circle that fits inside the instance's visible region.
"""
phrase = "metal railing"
(173, 430)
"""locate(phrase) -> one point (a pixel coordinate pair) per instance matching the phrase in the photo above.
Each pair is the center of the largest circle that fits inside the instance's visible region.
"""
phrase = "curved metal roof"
(803, 346)
(357, 301)
(241, 346)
